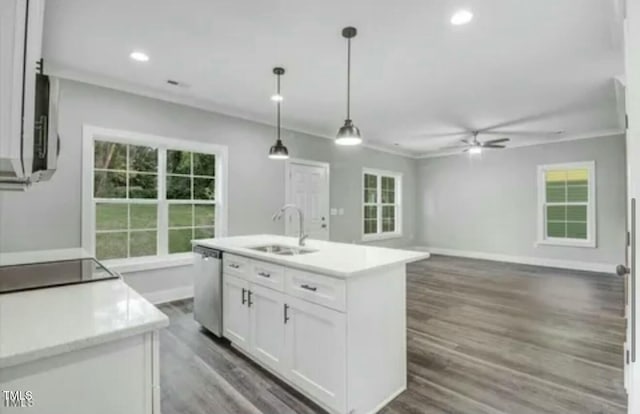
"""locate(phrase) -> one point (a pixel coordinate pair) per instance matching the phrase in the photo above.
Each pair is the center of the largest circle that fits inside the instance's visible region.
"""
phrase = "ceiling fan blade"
(494, 146)
(466, 150)
(453, 147)
(497, 141)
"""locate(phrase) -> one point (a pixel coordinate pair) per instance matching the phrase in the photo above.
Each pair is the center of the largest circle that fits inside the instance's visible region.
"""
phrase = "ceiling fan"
(474, 146)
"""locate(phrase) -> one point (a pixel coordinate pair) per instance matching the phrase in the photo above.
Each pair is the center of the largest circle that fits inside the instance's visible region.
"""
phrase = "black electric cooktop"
(17, 278)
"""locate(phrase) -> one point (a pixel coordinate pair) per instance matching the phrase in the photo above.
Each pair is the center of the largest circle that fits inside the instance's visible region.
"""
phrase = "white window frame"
(380, 235)
(163, 259)
(590, 241)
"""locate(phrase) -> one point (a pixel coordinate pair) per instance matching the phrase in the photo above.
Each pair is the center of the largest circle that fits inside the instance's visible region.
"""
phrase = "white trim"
(169, 295)
(90, 133)
(287, 188)
(398, 176)
(528, 260)
(587, 135)
(542, 239)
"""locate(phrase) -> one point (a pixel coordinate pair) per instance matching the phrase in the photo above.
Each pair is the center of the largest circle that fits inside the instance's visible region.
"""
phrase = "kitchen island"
(90, 347)
(327, 318)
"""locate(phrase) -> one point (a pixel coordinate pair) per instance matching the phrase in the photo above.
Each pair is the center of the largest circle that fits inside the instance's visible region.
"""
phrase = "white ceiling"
(519, 68)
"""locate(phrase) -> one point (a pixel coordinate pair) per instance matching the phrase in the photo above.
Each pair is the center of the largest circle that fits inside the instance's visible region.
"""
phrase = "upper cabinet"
(29, 142)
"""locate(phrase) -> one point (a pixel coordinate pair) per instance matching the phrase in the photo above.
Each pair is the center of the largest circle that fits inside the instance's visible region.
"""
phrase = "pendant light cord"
(278, 87)
(349, 78)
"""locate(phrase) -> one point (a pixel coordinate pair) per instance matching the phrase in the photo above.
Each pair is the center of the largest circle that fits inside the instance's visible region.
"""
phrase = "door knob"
(622, 270)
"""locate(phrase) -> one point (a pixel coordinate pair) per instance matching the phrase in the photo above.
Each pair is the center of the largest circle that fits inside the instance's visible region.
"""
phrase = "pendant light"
(278, 151)
(348, 134)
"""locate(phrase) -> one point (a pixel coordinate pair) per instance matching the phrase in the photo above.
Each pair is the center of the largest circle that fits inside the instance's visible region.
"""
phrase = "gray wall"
(488, 204)
(48, 215)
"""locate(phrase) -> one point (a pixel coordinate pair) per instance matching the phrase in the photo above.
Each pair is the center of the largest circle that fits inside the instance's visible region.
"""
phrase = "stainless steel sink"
(282, 250)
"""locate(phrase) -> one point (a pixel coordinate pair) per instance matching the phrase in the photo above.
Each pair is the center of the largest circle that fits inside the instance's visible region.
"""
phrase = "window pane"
(556, 230)
(578, 177)
(388, 218)
(180, 240)
(577, 230)
(556, 193)
(204, 164)
(178, 162)
(388, 189)
(110, 156)
(111, 245)
(556, 213)
(577, 193)
(111, 216)
(203, 188)
(143, 186)
(143, 159)
(180, 215)
(370, 188)
(143, 243)
(371, 212)
(204, 215)
(577, 213)
(370, 226)
(144, 216)
(204, 233)
(109, 184)
(178, 188)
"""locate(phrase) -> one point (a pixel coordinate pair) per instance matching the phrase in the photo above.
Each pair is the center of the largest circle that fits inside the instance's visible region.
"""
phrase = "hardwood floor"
(483, 337)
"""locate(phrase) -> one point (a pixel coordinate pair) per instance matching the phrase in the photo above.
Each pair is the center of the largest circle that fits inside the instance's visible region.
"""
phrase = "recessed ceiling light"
(276, 97)
(461, 17)
(139, 56)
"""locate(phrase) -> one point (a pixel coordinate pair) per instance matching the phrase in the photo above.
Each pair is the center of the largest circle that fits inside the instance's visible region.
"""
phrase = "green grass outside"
(143, 222)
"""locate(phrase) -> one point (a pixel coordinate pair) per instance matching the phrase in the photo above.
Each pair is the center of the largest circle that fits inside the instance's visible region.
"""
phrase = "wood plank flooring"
(483, 337)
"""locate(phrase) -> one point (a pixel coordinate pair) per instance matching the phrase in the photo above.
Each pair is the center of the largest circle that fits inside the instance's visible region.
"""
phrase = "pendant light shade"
(278, 151)
(349, 134)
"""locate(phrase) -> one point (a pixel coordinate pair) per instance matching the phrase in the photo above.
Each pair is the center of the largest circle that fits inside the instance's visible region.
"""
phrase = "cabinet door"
(235, 315)
(267, 326)
(315, 341)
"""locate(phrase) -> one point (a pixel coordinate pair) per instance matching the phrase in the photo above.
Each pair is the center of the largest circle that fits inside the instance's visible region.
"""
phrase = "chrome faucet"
(278, 215)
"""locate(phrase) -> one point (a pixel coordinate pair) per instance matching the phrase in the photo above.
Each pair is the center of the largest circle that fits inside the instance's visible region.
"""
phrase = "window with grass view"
(381, 207)
(567, 194)
(151, 201)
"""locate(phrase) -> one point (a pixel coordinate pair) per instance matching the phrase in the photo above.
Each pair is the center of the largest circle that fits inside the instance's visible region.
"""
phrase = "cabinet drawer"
(236, 265)
(268, 275)
(320, 289)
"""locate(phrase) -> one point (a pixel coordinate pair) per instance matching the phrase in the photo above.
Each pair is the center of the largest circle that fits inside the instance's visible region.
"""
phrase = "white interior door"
(308, 188)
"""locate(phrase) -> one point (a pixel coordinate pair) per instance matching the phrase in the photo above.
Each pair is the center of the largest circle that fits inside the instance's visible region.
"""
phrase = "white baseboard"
(535, 261)
(169, 295)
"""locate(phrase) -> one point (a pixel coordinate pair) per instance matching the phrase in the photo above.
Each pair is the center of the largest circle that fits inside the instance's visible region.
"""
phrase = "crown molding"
(576, 137)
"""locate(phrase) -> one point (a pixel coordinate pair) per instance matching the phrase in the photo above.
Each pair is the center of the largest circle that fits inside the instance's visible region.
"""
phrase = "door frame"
(287, 187)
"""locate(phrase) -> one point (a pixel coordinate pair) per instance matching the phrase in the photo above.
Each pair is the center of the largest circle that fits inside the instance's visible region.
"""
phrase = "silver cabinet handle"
(307, 287)
(249, 298)
(286, 313)
(263, 274)
(244, 296)
(234, 266)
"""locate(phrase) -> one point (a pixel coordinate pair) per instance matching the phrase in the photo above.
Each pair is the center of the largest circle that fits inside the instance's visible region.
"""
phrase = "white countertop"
(46, 322)
(335, 259)
(40, 256)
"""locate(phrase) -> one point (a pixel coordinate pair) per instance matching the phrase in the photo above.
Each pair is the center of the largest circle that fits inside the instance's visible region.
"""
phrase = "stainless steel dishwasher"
(207, 287)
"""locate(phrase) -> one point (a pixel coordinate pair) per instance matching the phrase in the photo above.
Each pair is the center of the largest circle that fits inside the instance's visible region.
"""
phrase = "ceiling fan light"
(475, 150)
(278, 151)
(348, 134)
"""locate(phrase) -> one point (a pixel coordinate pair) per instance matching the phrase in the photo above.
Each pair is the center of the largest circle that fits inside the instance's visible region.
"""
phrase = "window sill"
(141, 264)
(381, 236)
(566, 243)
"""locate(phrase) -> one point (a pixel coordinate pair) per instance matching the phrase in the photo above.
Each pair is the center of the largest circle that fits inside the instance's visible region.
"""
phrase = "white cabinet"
(235, 310)
(21, 26)
(315, 341)
(266, 315)
(341, 342)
